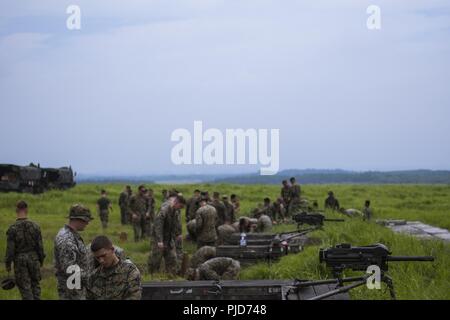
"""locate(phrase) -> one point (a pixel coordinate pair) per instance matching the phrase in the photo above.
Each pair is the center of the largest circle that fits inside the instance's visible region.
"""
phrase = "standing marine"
(124, 201)
(220, 209)
(236, 204)
(137, 210)
(367, 211)
(294, 201)
(205, 223)
(25, 250)
(70, 255)
(166, 230)
(103, 207)
(331, 202)
(230, 216)
(149, 217)
(285, 193)
(192, 205)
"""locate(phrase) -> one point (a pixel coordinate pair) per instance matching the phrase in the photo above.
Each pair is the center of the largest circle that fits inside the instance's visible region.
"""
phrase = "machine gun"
(312, 219)
(286, 237)
(344, 256)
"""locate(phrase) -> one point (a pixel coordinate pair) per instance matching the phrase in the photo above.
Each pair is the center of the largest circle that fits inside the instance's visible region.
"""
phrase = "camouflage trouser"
(279, 214)
(65, 293)
(137, 228)
(104, 215)
(124, 215)
(294, 205)
(27, 271)
(169, 255)
(231, 273)
(147, 226)
(367, 215)
(179, 253)
(191, 229)
(224, 232)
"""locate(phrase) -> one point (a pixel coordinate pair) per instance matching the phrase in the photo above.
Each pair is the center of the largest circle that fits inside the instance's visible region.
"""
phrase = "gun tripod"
(384, 278)
(340, 288)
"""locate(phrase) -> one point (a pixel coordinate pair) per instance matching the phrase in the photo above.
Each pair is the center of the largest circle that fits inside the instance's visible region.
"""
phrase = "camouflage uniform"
(367, 213)
(286, 195)
(165, 230)
(264, 223)
(25, 249)
(149, 217)
(201, 255)
(278, 210)
(191, 228)
(124, 201)
(103, 209)
(267, 210)
(220, 268)
(246, 221)
(229, 212)
(224, 232)
(331, 203)
(192, 206)
(70, 250)
(236, 206)
(120, 282)
(220, 211)
(138, 207)
(178, 240)
(294, 202)
(206, 221)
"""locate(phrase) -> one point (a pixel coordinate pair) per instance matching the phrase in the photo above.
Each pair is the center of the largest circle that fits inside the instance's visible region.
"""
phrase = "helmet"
(8, 283)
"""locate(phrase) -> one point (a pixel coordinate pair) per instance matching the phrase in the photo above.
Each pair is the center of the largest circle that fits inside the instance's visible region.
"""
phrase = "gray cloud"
(107, 97)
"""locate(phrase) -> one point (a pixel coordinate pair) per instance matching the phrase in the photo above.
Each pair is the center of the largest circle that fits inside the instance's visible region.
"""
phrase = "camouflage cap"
(8, 283)
(173, 193)
(78, 211)
(204, 196)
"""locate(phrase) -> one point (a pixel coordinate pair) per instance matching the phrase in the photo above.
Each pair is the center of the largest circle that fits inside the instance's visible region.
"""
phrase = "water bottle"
(243, 241)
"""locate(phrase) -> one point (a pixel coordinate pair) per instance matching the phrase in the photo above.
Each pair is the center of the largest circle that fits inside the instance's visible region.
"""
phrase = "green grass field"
(413, 280)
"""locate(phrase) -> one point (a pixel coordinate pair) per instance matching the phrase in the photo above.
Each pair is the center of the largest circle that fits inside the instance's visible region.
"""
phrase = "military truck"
(34, 179)
(58, 178)
(21, 178)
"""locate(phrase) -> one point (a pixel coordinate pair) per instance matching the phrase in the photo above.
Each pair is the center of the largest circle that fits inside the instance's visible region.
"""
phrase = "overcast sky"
(106, 98)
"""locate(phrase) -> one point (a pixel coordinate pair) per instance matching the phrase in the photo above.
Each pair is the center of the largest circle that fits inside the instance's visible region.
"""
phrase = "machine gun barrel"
(410, 258)
(308, 283)
(340, 290)
(297, 234)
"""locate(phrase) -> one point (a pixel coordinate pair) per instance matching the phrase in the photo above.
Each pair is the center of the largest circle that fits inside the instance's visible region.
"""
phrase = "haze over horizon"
(105, 99)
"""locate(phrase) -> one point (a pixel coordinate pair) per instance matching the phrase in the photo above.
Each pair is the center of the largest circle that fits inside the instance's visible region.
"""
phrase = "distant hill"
(149, 179)
(304, 176)
(315, 176)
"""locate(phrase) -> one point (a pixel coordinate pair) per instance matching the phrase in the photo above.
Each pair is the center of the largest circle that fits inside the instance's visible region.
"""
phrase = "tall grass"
(413, 280)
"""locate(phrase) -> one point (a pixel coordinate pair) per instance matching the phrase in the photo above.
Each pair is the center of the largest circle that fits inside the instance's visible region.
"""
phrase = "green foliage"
(413, 280)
